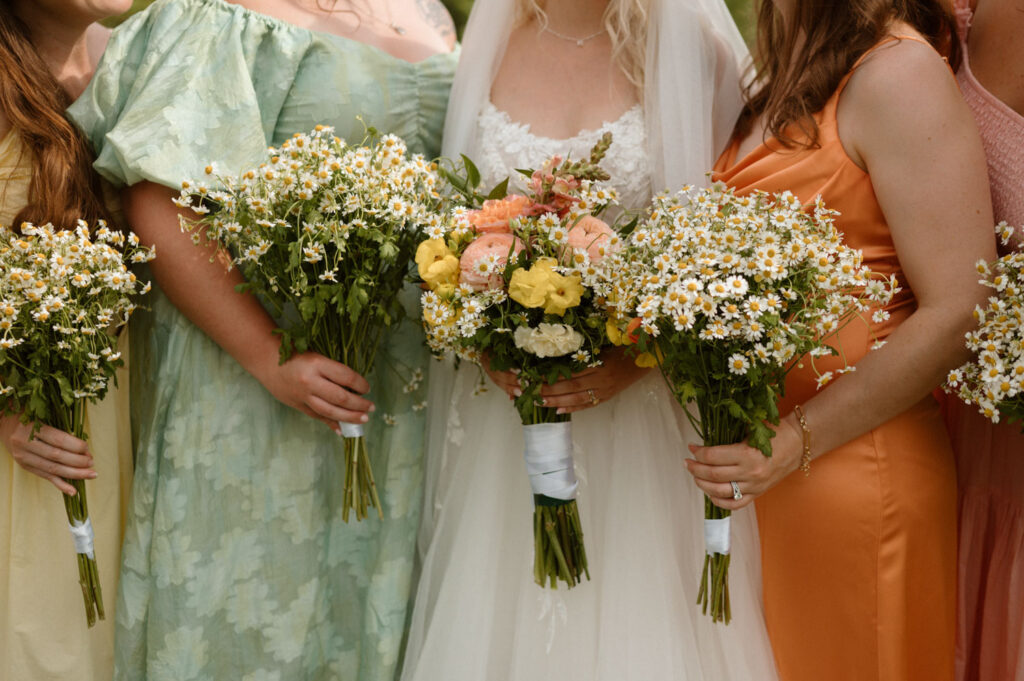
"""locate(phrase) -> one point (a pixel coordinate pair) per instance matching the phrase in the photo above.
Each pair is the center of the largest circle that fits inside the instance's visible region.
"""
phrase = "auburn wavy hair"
(64, 186)
(801, 61)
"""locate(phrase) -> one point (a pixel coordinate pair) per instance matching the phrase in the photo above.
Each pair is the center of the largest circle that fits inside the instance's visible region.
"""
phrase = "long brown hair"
(801, 62)
(64, 185)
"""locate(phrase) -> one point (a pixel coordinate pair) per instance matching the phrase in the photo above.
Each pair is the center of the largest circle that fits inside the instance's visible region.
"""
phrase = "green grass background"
(741, 9)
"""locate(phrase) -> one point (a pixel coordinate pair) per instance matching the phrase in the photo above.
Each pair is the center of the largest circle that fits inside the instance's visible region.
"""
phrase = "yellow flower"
(646, 360)
(437, 265)
(531, 288)
(611, 327)
(565, 294)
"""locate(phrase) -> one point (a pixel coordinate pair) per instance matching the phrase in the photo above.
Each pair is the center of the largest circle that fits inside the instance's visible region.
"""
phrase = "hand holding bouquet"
(63, 297)
(325, 234)
(731, 293)
(522, 282)
(994, 379)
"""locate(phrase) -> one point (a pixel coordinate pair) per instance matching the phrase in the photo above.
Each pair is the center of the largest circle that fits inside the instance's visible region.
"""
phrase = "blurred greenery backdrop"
(741, 10)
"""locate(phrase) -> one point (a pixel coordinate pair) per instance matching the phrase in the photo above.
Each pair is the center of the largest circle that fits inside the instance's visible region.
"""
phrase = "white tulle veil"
(695, 58)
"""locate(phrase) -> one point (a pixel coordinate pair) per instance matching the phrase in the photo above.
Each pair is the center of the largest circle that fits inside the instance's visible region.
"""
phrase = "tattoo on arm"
(437, 16)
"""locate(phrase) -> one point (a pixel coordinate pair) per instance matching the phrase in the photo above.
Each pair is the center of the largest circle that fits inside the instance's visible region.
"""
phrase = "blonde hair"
(626, 23)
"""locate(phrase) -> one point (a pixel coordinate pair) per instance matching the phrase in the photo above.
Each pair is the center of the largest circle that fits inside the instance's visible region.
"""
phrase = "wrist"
(790, 441)
(263, 359)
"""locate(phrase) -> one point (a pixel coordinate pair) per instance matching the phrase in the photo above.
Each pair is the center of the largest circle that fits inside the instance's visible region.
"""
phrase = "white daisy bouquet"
(994, 379)
(732, 292)
(64, 295)
(325, 233)
(522, 282)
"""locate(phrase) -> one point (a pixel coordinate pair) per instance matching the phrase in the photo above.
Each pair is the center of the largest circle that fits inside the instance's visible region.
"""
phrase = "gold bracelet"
(805, 459)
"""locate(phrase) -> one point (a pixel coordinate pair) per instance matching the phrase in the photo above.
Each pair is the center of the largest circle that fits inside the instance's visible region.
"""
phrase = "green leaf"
(472, 172)
(500, 190)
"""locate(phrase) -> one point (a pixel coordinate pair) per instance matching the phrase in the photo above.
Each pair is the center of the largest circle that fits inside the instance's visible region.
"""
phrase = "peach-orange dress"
(859, 558)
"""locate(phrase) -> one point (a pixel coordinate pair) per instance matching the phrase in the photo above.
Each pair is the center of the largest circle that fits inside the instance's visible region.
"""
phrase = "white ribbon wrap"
(716, 536)
(83, 536)
(548, 456)
(351, 430)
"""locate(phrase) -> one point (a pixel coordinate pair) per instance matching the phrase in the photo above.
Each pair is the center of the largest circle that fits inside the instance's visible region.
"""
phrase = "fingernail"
(560, 410)
(337, 431)
(92, 475)
(693, 448)
(70, 493)
(517, 392)
(373, 408)
(364, 418)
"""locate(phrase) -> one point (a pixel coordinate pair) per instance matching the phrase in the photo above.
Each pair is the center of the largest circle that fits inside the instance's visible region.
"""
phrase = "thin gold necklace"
(579, 41)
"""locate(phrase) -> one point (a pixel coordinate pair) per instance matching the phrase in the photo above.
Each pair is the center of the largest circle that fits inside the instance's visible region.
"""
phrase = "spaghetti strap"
(884, 41)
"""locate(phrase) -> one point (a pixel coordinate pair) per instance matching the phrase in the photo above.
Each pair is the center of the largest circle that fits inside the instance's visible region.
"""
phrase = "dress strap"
(884, 41)
(964, 16)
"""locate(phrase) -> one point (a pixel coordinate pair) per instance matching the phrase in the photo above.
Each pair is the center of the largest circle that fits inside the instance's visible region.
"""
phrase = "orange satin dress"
(859, 558)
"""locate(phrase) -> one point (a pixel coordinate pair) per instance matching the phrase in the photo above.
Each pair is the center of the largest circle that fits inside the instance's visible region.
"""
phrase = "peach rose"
(591, 235)
(484, 260)
(495, 214)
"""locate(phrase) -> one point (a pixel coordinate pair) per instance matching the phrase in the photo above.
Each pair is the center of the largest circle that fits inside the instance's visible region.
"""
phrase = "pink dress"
(990, 458)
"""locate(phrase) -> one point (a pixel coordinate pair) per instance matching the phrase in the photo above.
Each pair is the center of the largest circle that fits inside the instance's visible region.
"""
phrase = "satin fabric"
(858, 558)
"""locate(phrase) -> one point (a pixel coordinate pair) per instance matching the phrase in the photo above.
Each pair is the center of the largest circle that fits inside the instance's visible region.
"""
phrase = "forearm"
(915, 359)
(199, 284)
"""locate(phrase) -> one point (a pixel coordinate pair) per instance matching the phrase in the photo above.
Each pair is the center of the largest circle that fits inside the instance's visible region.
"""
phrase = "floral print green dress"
(236, 564)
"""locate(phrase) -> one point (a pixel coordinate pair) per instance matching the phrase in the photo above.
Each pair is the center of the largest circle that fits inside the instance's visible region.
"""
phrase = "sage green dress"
(237, 565)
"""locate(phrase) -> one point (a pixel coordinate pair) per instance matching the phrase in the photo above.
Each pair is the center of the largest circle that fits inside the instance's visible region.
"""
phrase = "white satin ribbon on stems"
(548, 456)
(352, 430)
(716, 535)
(82, 534)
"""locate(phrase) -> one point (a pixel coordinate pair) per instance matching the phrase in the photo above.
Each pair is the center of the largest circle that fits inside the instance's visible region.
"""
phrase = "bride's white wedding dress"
(478, 614)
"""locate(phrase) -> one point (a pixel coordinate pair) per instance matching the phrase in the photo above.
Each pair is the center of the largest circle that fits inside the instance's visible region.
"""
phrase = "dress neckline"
(965, 17)
(492, 110)
(327, 35)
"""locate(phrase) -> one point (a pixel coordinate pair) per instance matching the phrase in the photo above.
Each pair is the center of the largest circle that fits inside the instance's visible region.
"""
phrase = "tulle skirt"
(478, 613)
(990, 473)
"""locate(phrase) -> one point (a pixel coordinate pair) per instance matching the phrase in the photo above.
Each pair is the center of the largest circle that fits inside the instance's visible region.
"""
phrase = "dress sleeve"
(186, 83)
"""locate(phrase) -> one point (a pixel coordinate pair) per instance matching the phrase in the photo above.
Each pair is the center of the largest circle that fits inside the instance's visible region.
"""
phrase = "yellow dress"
(43, 632)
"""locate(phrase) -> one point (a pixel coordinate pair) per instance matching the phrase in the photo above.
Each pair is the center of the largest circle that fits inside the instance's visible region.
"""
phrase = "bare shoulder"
(899, 74)
(904, 91)
(436, 15)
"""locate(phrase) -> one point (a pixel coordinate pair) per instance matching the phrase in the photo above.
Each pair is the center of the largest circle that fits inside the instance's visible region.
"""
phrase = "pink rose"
(494, 215)
(591, 235)
(484, 260)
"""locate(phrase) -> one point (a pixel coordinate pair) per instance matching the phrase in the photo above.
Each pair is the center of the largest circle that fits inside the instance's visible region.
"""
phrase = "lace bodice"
(506, 145)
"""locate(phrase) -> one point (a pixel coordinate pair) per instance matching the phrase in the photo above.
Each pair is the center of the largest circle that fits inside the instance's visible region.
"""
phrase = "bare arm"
(204, 291)
(903, 120)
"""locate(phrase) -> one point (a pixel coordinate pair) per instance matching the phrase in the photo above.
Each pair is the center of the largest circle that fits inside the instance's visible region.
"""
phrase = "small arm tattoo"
(437, 16)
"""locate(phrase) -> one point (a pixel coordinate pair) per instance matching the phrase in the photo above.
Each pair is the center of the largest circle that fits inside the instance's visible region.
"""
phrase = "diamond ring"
(736, 493)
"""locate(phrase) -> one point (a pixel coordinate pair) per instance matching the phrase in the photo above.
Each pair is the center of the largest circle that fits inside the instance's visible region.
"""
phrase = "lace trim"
(506, 144)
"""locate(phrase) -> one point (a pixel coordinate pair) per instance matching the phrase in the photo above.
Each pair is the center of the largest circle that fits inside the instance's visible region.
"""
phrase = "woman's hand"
(315, 385)
(715, 468)
(585, 389)
(51, 454)
(319, 387)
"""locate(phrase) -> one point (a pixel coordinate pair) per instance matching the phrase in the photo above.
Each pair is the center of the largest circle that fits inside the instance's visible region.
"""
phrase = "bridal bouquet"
(731, 293)
(63, 297)
(522, 283)
(994, 379)
(325, 233)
